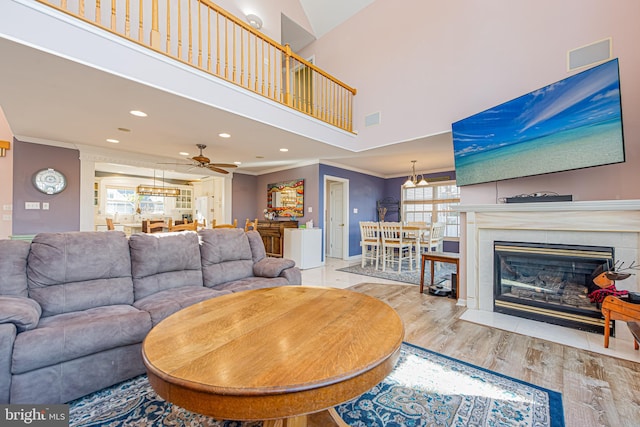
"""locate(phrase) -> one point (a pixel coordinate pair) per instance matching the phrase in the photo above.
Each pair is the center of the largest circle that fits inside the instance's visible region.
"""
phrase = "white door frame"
(345, 207)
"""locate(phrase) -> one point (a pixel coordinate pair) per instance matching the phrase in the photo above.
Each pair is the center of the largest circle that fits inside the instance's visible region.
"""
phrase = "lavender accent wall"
(64, 208)
(364, 191)
(311, 190)
(244, 197)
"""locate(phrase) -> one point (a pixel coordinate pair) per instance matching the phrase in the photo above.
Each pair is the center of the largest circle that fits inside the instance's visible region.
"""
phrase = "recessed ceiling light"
(237, 163)
(113, 141)
(224, 135)
(182, 153)
(138, 113)
(284, 150)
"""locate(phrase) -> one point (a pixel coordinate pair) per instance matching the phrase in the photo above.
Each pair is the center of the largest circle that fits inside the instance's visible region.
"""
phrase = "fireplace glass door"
(550, 282)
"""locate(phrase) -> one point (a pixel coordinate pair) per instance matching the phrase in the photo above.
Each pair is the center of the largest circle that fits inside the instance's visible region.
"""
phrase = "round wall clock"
(49, 181)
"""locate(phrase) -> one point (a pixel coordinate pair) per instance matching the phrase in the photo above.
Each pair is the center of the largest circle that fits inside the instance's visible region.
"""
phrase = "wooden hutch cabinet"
(272, 233)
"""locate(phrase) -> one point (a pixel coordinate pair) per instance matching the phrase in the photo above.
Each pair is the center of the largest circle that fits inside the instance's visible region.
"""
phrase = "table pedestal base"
(301, 421)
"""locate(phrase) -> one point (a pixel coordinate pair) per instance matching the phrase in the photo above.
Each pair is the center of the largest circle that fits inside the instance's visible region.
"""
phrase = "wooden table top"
(273, 353)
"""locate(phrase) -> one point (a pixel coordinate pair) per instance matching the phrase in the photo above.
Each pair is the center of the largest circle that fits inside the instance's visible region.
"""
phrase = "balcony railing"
(205, 36)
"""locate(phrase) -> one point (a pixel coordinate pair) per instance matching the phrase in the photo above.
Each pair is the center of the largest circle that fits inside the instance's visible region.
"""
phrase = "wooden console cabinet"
(272, 233)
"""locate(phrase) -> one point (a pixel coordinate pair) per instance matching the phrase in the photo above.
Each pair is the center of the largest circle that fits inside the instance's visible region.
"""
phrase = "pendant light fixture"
(147, 190)
(412, 180)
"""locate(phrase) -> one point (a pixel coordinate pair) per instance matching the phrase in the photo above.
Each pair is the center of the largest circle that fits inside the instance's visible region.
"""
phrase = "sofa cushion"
(162, 261)
(226, 256)
(74, 271)
(72, 335)
(258, 252)
(272, 267)
(165, 303)
(13, 265)
(21, 311)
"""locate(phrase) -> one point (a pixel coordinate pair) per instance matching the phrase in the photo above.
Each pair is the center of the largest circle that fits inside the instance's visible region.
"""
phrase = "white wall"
(6, 177)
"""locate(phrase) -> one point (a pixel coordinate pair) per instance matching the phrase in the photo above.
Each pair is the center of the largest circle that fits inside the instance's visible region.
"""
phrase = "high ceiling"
(49, 98)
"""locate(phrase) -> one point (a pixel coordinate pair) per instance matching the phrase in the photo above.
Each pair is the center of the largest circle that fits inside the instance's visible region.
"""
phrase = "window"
(125, 201)
(434, 203)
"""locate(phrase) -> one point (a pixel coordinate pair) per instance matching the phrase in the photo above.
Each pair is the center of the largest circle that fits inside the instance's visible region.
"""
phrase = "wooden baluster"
(255, 84)
(154, 37)
(179, 29)
(140, 28)
(269, 67)
(226, 48)
(81, 8)
(242, 31)
(263, 71)
(98, 18)
(233, 53)
(127, 19)
(113, 15)
(287, 88)
(209, 64)
(217, 44)
(168, 44)
(190, 49)
(199, 35)
(63, 4)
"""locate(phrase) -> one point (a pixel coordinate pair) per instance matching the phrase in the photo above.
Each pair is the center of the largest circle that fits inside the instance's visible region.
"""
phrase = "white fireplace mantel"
(613, 223)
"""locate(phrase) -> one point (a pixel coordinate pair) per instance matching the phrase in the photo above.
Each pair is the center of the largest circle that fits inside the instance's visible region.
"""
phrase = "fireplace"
(550, 282)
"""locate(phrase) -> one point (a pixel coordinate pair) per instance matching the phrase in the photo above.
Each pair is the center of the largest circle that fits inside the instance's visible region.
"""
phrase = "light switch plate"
(32, 205)
(45, 206)
(7, 207)
(309, 209)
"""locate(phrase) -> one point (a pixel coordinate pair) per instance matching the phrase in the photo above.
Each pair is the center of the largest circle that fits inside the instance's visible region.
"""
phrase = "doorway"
(336, 217)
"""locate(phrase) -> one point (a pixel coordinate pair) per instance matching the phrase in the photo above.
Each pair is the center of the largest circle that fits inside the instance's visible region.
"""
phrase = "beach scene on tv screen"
(571, 124)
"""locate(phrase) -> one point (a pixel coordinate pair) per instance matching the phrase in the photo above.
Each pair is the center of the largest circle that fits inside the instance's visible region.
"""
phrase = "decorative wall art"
(286, 199)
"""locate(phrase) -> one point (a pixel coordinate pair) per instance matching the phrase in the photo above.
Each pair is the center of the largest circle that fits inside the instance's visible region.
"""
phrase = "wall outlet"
(309, 209)
(32, 205)
(355, 210)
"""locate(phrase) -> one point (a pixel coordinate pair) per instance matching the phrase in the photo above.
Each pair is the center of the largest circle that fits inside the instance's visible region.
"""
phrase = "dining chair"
(153, 226)
(370, 242)
(394, 242)
(184, 226)
(251, 225)
(215, 225)
(110, 225)
(434, 242)
(417, 232)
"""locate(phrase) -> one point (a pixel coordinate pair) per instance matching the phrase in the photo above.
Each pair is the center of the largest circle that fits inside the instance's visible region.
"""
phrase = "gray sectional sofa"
(75, 307)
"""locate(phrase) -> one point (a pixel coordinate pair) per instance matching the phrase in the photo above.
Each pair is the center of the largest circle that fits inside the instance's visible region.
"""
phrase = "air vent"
(589, 54)
(372, 119)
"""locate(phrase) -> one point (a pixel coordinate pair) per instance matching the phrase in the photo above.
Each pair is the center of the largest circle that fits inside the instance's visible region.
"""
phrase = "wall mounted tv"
(571, 124)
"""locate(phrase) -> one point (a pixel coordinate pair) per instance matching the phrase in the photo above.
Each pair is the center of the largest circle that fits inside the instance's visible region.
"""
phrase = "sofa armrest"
(23, 312)
(271, 267)
(293, 275)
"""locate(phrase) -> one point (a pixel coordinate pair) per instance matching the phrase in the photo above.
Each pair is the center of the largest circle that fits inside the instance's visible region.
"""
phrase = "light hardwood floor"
(597, 390)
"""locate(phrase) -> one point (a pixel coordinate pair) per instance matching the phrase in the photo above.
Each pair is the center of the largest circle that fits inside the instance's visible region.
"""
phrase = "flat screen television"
(571, 124)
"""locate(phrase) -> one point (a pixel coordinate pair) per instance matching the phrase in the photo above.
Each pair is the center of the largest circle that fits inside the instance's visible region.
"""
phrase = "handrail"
(222, 45)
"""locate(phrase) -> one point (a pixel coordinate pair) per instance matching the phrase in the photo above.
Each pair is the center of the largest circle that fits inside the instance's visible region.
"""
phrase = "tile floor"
(621, 346)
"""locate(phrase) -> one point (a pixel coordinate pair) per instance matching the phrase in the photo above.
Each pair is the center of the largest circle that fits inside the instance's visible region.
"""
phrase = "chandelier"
(412, 180)
(152, 190)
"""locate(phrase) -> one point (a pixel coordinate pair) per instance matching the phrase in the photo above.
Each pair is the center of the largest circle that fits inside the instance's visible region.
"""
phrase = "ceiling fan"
(200, 161)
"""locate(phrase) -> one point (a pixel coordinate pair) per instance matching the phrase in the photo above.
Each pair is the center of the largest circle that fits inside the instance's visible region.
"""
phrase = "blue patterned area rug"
(424, 389)
(405, 275)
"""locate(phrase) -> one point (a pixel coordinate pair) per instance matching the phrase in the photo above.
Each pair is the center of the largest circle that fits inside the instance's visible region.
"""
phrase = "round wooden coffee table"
(273, 354)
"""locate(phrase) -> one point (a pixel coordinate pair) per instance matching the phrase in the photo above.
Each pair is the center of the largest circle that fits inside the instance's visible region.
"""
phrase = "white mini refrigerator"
(304, 246)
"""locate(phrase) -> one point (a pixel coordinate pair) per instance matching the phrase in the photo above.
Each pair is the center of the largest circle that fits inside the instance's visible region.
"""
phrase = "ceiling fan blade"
(223, 165)
(181, 164)
(216, 169)
(200, 159)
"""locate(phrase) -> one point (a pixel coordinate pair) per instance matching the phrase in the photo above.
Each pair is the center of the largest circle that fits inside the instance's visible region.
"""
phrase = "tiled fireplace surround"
(613, 223)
